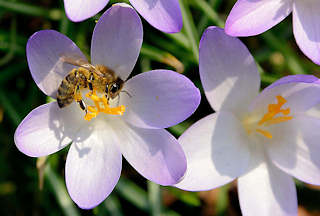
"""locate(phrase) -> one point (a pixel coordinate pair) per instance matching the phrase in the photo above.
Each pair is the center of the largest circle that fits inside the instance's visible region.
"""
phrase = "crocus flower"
(153, 101)
(164, 15)
(249, 17)
(262, 139)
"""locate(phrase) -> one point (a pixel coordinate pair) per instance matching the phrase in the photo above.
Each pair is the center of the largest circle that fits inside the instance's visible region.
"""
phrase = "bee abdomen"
(66, 90)
(62, 102)
(65, 93)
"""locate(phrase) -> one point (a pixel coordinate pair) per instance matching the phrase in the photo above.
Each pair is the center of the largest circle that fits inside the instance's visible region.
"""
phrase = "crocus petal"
(228, 72)
(45, 52)
(154, 153)
(117, 39)
(164, 15)
(294, 79)
(266, 190)
(79, 10)
(301, 93)
(306, 28)
(47, 129)
(93, 166)
(295, 148)
(249, 17)
(217, 152)
(159, 99)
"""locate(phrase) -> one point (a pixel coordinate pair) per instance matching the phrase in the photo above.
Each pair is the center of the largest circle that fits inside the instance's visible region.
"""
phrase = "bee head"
(113, 89)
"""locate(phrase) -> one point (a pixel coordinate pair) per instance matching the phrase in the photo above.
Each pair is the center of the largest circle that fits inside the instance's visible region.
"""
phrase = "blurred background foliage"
(30, 186)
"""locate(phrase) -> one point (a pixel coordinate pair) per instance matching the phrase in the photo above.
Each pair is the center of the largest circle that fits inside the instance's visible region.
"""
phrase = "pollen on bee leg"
(77, 95)
(92, 113)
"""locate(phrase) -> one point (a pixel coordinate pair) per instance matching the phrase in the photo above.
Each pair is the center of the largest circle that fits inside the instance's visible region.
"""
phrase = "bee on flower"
(261, 139)
(103, 114)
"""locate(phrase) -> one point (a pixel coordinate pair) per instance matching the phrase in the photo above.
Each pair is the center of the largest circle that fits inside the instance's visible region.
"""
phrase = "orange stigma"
(101, 105)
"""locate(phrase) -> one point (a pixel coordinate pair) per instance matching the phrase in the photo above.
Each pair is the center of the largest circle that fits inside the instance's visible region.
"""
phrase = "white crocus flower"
(262, 139)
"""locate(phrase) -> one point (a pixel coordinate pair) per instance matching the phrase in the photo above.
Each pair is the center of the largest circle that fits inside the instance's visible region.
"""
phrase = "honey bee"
(95, 77)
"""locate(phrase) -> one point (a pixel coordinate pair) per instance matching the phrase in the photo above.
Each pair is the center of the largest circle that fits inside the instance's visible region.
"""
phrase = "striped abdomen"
(67, 88)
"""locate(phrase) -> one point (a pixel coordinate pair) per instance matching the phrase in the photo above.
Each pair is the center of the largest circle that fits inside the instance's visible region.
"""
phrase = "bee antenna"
(127, 93)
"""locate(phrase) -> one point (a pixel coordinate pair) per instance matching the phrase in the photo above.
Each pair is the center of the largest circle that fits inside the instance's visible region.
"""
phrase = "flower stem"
(190, 28)
(154, 196)
(60, 192)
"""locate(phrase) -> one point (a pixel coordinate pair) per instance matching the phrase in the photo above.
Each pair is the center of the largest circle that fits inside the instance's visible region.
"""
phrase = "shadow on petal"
(230, 146)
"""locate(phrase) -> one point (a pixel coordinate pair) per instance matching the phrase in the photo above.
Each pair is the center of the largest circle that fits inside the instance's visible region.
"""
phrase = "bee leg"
(79, 100)
(83, 105)
(91, 78)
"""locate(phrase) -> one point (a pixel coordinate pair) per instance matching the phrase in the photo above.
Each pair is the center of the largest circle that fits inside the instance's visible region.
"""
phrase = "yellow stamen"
(264, 133)
(270, 119)
(278, 120)
(274, 109)
(101, 105)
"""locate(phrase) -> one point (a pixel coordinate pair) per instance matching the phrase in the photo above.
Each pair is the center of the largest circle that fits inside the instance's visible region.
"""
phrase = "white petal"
(300, 97)
(306, 27)
(265, 190)
(217, 152)
(93, 166)
(45, 52)
(117, 39)
(228, 72)
(163, 15)
(295, 148)
(154, 153)
(249, 17)
(79, 10)
(159, 99)
(47, 129)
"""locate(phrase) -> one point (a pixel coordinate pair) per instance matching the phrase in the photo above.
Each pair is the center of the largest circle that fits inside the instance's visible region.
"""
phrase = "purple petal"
(117, 39)
(252, 17)
(45, 50)
(93, 166)
(306, 28)
(228, 72)
(154, 153)
(79, 10)
(266, 191)
(295, 148)
(294, 79)
(301, 92)
(217, 152)
(164, 15)
(47, 129)
(159, 99)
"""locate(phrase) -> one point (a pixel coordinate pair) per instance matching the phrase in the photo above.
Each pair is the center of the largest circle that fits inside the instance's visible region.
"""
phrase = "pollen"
(101, 106)
(274, 109)
(275, 115)
(264, 133)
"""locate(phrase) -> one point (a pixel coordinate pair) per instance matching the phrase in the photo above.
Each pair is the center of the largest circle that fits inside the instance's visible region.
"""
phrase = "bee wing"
(81, 63)
(73, 60)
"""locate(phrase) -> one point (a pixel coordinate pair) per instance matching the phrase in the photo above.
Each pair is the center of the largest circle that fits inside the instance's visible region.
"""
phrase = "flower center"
(274, 115)
(101, 105)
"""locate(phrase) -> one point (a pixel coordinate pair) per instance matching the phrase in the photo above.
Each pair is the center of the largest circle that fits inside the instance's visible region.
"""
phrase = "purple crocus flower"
(164, 15)
(252, 17)
(153, 100)
(262, 139)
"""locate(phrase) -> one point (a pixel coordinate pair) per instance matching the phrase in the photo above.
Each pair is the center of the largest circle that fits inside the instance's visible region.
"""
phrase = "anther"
(101, 105)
